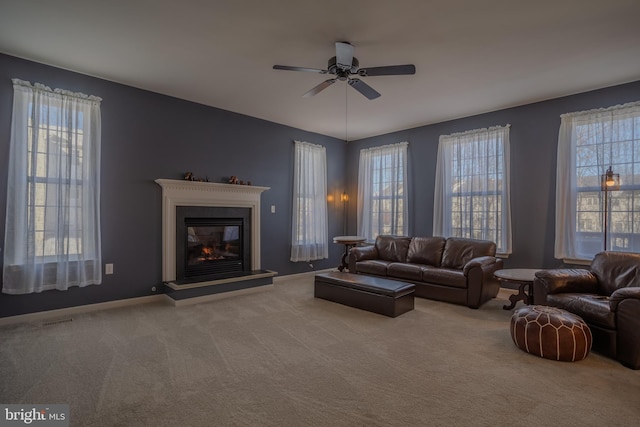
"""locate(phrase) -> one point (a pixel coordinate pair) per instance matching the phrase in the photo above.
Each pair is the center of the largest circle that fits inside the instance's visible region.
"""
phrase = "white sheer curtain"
(52, 237)
(309, 219)
(471, 197)
(382, 199)
(588, 143)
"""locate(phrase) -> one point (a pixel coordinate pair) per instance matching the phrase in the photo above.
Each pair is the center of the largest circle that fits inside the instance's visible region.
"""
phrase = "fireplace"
(199, 224)
(212, 242)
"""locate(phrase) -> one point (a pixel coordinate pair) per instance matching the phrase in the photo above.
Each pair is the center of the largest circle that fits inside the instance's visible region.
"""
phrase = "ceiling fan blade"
(322, 86)
(309, 70)
(390, 70)
(364, 88)
(344, 55)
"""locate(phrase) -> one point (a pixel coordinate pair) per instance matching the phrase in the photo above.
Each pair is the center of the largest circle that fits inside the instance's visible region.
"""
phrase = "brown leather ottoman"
(551, 333)
(378, 295)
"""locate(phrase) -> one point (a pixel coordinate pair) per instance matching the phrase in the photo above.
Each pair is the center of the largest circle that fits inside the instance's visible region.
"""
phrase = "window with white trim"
(309, 216)
(382, 199)
(471, 197)
(52, 238)
(589, 142)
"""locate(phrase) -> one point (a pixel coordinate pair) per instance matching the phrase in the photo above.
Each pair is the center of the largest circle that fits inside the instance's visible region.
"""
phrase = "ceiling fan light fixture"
(344, 55)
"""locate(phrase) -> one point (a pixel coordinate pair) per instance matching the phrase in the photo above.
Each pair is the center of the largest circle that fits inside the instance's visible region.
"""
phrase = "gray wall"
(146, 136)
(533, 141)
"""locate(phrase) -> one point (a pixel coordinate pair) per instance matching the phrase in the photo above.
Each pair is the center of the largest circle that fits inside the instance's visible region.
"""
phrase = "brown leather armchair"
(607, 297)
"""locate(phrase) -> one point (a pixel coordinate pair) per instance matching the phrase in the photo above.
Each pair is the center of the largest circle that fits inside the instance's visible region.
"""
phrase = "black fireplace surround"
(212, 242)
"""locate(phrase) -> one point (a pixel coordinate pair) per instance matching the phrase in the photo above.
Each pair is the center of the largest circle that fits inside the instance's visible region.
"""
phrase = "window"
(310, 232)
(472, 187)
(588, 143)
(52, 238)
(382, 200)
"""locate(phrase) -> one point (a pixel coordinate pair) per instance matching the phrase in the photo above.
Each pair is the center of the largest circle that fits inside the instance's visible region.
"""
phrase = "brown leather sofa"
(454, 270)
(606, 296)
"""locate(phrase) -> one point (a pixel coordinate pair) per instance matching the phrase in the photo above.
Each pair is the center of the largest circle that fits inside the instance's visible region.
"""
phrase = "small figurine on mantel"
(234, 180)
(189, 176)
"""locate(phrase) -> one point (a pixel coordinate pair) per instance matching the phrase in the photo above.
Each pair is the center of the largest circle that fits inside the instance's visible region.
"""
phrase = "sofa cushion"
(426, 250)
(377, 267)
(616, 270)
(594, 309)
(459, 251)
(444, 276)
(403, 270)
(392, 248)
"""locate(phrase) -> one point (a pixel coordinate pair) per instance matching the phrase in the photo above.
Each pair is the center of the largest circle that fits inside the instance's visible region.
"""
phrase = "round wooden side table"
(348, 242)
(523, 277)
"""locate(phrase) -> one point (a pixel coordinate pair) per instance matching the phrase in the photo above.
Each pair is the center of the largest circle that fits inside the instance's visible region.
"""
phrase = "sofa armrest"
(481, 262)
(621, 294)
(481, 283)
(627, 326)
(361, 253)
(566, 280)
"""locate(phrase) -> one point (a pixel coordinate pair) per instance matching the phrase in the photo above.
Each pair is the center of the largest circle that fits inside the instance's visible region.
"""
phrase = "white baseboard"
(70, 311)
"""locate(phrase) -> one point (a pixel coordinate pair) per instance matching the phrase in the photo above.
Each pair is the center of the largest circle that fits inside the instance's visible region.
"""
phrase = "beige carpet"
(282, 358)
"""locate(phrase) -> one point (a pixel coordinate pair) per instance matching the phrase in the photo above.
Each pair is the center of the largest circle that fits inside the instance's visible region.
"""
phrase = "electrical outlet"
(108, 269)
(273, 208)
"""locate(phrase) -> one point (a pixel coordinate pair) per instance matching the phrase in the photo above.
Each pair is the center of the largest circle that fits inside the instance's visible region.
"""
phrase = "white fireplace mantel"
(194, 193)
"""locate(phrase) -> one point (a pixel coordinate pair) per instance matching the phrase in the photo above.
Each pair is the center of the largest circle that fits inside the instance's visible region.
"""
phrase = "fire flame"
(207, 251)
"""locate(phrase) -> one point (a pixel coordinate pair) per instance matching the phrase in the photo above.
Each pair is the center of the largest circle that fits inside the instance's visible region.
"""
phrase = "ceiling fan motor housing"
(333, 67)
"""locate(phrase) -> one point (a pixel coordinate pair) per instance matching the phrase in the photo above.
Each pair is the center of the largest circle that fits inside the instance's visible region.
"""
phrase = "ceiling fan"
(344, 65)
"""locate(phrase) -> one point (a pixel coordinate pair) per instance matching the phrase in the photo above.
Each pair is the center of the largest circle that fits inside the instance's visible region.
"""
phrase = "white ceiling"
(471, 56)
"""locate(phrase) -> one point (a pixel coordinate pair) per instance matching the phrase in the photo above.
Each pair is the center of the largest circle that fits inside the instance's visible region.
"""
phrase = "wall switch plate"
(108, 269)
(273, 208)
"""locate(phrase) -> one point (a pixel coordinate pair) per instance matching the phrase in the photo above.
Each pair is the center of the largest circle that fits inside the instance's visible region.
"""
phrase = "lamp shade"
(610, 181)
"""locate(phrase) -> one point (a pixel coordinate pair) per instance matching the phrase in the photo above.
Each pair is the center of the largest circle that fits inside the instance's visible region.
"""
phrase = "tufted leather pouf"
(551, 333)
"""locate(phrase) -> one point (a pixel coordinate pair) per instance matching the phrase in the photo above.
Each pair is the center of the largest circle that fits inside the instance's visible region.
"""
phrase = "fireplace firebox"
(212, 242)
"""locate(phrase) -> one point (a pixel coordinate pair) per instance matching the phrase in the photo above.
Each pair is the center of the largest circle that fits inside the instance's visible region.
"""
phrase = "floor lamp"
(608, 182)
(344, 198)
